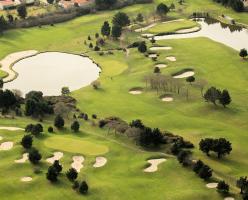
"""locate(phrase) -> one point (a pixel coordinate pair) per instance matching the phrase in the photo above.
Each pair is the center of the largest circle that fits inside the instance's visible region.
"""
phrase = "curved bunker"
(161, 65)
(166, 98)
(136, 90)
(154, 164)
(160, 48)
(53, 70)
(184, 73)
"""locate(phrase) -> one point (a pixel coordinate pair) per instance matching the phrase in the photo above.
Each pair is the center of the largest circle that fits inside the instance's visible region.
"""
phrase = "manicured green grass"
(3, 73)
(172, 26)
(74, 145)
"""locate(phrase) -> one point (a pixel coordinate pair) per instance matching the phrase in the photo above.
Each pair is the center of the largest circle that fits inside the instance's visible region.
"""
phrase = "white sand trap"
(26, 179)
(100, 162)
(147, 34)
(171, 58)
(11, 128)
(56, 156)
(185, 74)
(161, 65)
(167, 99)
(23, 159)
(154, 164)
(212, 185)
(6, 146)
(145, 28)
(160, 48)
(12, 58)
(176, 20)
(229, 198)
(188, 30)
(135, 92)
(153, 55)
(77, 163)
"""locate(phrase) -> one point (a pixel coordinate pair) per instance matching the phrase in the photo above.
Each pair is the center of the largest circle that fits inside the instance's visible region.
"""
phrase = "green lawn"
(123, 177)
(74, 145)
(172, 26)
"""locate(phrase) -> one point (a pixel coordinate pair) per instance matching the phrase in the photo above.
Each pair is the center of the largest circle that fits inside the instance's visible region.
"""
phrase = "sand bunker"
(12, 58)
(100, 162)
(167, 99)
(185, 74)
(6, 146)
(212, 185)
(77, 163)
(176, 20)
(188, 30)
(153, 55)
(147, 35)
(11, 128)
(229, 198)
(56, 156)
(161, 65)
(26, 179)
(160, 48)
(135, 92)
(145, 28)
(154, 164)
(23, 159)
(171, 58)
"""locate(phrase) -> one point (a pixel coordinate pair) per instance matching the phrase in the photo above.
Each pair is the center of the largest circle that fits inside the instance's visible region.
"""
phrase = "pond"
(49, 72)
(230, 35)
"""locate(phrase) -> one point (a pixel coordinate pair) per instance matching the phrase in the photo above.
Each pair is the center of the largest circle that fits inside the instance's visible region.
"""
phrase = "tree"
(50, 1)
(34, 156)
(3, 24)
(205, 172)
(243, 53)
(183, 157)
(190, 79)
(50, 129)
(116, 31)
(137, 124)
(156, 70)
(97, 48)
(59, 122)
(10, 18)
(57, 166)
(105, 30)
(197, 166)
(212, 95)
(27, 141)
(206, 145)
(75, 126)
(65, 91)
(142, 47)
(242, 183)
(162, 9)
(22, 11)
(223, 187)
(1, 83)
(72, 174)
(104, 4)
(120, 19)
(52, 174)
(222, 147)
(172, 6)
(37, 129)
(225, 98)
(83, 188)
(140, 17)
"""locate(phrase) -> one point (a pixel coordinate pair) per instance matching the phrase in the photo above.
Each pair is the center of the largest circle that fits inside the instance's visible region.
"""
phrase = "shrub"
(34, 156)
(223, 187)
(72, 174)
(83, 188)
(75, 126)
(27, 141)
(59, 122)
(50, 129)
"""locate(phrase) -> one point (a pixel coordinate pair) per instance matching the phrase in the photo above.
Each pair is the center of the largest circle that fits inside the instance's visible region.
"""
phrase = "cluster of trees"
(9, 101)
(55, 170)
(162, 10)
(119, 21)
(203, 170)
(214, 95)
(243, 53)
(34, 156)
(220, 146)
(59, 123)
(36, 106)
(242, 183)
(34, 129)
(236, 5)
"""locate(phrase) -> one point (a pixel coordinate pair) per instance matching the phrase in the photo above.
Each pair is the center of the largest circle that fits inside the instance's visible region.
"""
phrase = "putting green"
(76, 145)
